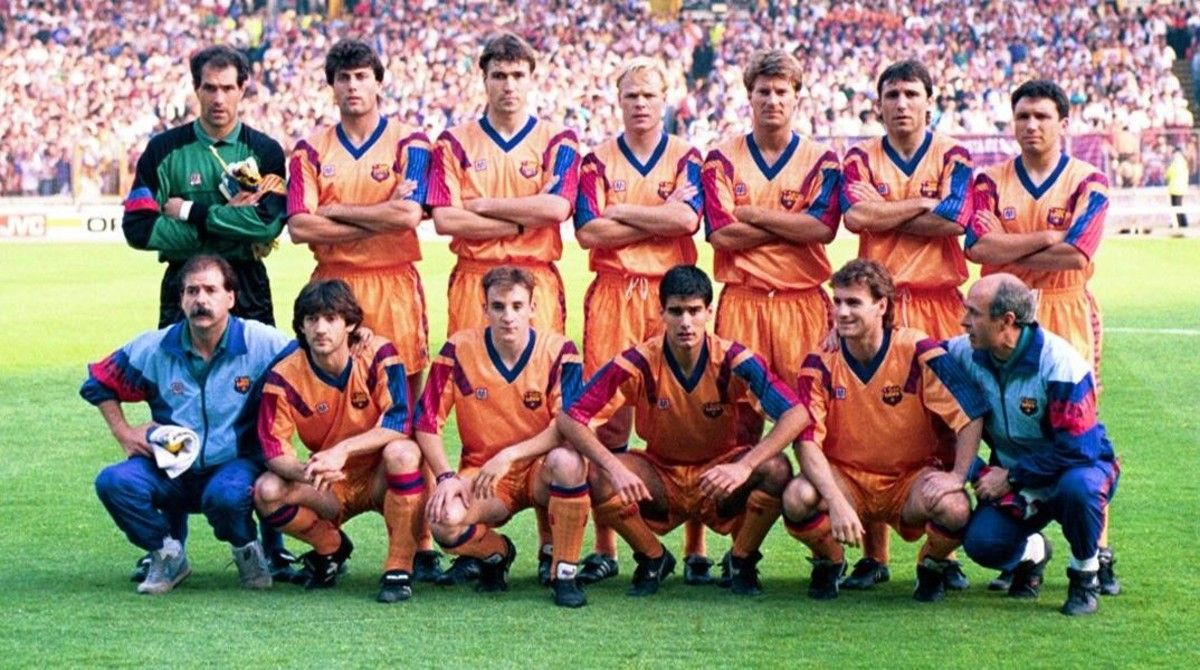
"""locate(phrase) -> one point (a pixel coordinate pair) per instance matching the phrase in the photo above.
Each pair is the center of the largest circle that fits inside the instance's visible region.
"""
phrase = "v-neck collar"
(642, 168)
(360, 151)
(867, 371)
(510, 374)
(339, 382)
(688, 383)
(910, 166)
(516, 139)
(1040, 190)
(771, 171)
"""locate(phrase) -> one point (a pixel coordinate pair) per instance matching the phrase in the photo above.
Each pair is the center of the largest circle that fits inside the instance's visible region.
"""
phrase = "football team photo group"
(892, 396)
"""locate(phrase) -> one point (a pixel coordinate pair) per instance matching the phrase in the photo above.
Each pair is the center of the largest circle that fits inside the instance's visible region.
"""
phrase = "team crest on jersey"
(327, 171)
(713, 409)
(929, 188)
(380, 171)
(789, 197)
(359, 399)
(481, 165)
(839, 393)
(481, 394)
(665, 189)
(663, 403)
(1057, 216)
(892, 394)
(882, 189)
(529, 169)
(194, 179)
(322, 408)
(1009, 213)
(241, 384)
(1029, 406)
(740, 190)
(177, 387)
(532, 399)
(618, 186)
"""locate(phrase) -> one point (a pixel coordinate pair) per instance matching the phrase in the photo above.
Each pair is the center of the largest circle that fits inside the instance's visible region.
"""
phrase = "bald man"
(1051, 458)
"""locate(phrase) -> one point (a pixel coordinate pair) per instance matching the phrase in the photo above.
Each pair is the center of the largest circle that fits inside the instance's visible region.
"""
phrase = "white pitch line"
(1155, 331)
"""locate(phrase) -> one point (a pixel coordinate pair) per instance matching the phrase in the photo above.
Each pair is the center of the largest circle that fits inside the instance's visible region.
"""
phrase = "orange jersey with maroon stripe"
(612, 174)
(327, 168)
(1074, 198)
(299, 397)
(684, 419)
(497, 406)
(472, 160)
(806, 178)
(940, 169)
(894, 415)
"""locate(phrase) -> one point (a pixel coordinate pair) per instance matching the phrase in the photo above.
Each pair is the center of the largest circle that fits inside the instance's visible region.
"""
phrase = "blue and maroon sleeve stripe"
(599, 390)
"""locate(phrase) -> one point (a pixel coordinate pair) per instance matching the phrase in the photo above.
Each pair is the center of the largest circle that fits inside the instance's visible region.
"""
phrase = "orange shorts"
(782, 326)
(516, 489)
(619, 312)
(1073, 315)
(356, 492)
(936, 312)
(393, 303)
(879, 497)
(466, 297)
(684, 500)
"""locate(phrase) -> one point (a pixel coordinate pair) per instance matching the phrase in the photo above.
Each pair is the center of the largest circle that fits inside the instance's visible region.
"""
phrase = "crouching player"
(891, 411)
(506, 382)
(686, 387)
(351, 412)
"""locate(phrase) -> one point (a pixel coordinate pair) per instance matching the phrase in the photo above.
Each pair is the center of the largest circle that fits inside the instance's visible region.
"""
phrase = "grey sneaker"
(252, 566)
(168, 567)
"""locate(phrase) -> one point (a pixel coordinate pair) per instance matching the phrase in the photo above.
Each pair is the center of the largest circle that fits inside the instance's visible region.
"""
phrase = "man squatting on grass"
(197, 373)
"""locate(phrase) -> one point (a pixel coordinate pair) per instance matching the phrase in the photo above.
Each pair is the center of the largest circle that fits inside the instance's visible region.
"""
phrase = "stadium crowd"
(86, 82)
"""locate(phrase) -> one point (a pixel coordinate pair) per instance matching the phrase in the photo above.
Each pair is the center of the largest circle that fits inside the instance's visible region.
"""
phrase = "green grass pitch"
(67, 601)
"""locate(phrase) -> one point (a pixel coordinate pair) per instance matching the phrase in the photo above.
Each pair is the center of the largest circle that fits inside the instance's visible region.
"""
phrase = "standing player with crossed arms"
(906, 195)
(1040, 217)
(356, 192)
(500, 187)
(639, 206)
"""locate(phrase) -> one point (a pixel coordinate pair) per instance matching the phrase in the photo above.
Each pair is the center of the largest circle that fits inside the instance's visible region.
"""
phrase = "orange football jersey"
(1074, 198)
(299, 397)
(896, 414)
(612, 174)
(497, 406)
(940, 169)
(684, 419)
(805, 178)
(472, 160)
(327, 168)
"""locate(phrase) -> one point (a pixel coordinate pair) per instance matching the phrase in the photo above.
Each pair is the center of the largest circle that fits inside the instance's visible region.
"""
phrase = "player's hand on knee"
(847, 527)
(484, 483)
(133, 440)
(721, 480)
(628, 486)
(444, 496)
(937, 485)
(992, 484)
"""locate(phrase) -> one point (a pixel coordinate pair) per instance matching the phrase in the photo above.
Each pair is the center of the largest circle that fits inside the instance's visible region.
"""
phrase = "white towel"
(175, 448)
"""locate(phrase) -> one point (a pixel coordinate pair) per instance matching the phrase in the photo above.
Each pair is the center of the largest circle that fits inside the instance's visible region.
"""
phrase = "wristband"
(185, 209)
(449, 474)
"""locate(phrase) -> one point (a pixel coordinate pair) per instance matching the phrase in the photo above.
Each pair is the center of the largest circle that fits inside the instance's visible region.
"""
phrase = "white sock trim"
(1035, 548)
(1087, 565)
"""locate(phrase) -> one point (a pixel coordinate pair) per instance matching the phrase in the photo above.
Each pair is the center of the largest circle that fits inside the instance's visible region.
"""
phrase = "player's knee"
(446, 533)
(986, 548)
(800, 499)
(774, 473)
(269, 492)
(952, 511)
(1077, 490)
(566, 467)
(401, 456)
